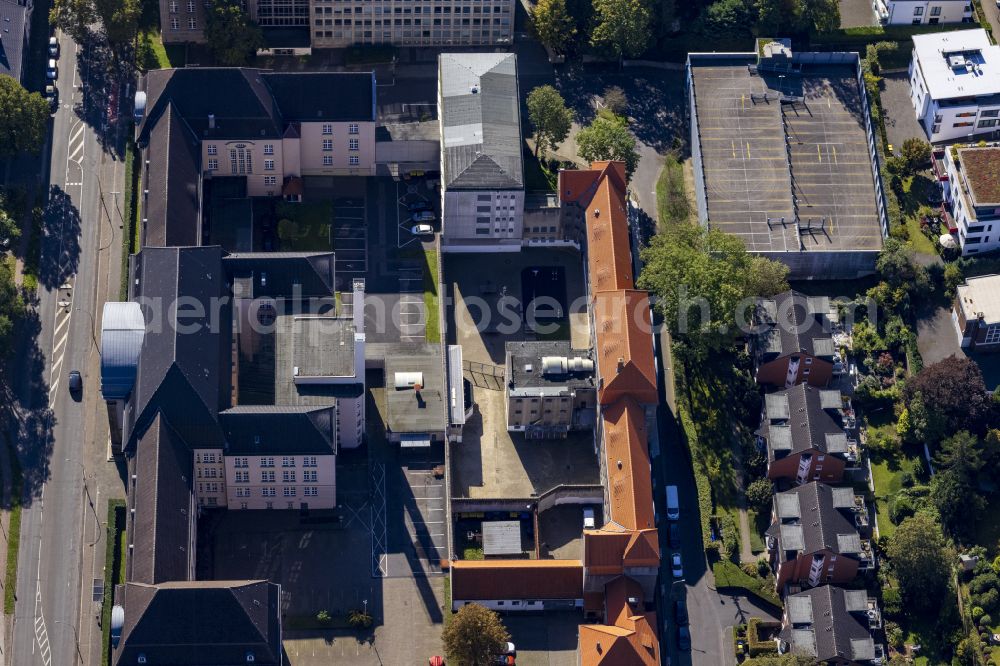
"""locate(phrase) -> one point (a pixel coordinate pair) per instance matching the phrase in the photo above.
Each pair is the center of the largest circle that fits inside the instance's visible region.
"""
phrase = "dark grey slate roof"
(161, 529)
(15, 22)
(172, 208)
(795, 421)
(481, 120)
(184, 364)
(237, 98)
(824, 623)
(793, 323)
(823, 526)
(254, 430)
(318, 96)
(277, 274)
(204, 623)
(122, 330)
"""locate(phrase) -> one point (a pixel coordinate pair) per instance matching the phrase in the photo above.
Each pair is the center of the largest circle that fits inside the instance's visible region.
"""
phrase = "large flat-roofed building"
(784, 157)
(914, 12)
(955, 84)
(551, 389)
(342, 23)
(972, 196)
(482, 175)
(416, 396)
(976, 313)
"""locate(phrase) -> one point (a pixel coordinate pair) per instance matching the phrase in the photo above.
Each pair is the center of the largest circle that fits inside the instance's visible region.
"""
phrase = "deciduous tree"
(553, 25)
(916, 152)
(475, 636)
(230, 33)
(549, 117)
(120, 19)
(622, 27)
(608, 138)
(921, 561)
(615, 100)
(953, 388)
(23, 118)
(73, 17)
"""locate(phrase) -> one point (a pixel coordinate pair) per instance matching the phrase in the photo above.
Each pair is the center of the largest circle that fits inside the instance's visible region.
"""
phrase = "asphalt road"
(60, 519)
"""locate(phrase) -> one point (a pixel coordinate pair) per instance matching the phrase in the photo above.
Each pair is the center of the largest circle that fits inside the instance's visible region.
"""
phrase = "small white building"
(916, 12)
(972, 196)
(482, 175)
(955, 84)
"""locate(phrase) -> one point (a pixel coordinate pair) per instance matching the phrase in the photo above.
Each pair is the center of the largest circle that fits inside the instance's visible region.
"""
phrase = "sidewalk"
(6, 480)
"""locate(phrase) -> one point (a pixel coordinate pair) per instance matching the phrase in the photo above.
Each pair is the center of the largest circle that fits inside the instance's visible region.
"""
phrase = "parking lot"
(548, 639)
(350, 236)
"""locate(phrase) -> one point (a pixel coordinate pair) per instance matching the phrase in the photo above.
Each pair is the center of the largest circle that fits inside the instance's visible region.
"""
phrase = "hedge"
(857, 38)
(13, 530)
(757, 647)
(701, 481)
(114, 560)
(729, 575)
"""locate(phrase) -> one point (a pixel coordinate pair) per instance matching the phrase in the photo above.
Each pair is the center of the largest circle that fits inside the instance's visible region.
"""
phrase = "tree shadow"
(60, 239)
(104, 79)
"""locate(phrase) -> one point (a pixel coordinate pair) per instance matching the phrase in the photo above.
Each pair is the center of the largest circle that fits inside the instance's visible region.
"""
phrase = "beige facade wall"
(340, 23)
(209, 478)
(252, 159)
(317, 160)
(291, 157)
(281, 482)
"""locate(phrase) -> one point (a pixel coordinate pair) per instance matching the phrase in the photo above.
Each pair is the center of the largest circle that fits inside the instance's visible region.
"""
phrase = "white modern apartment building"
(972, 196)
(955, 84)
(922, 12)
(482, 175)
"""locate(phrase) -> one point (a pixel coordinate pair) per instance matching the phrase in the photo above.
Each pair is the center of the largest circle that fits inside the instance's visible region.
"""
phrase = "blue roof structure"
(122, 330)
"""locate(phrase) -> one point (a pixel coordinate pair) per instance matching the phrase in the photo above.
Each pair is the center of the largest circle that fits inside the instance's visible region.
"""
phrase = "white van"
(673, 505)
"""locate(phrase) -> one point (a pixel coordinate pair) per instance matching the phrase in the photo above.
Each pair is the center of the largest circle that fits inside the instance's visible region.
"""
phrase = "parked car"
(674, 535)
(680, 612)
(588, 518)
(75, 381)
(683, 639)
(52, 94)
(436, 660)
(52, 72)
(53, 47)
(675, 566)
(673, 503)
(418, 206)
(421, 229)
(508, 656)
(423, 216)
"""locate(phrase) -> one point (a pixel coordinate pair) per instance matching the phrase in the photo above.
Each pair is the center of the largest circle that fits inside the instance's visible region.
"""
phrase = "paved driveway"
(900, 118)
(854, 13)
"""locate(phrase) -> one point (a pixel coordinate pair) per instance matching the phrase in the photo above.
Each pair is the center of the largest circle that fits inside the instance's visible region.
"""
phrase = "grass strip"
(432, 329)
(114, 570)
(13, 531)
(672, 203)
(130, 225)
(730, 576)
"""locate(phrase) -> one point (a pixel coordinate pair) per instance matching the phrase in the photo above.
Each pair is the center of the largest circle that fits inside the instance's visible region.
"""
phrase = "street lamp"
(76, 635)
(90, 500)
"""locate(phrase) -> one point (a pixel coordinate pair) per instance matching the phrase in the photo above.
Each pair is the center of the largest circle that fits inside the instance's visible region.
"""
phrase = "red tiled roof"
(484, 580)
(630, 485)
(624, 346)
(630, 635)
(608, 550)
(609, 250)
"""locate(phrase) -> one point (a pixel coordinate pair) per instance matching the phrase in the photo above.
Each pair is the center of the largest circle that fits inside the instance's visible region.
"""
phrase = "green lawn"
(13, 531)
(305, 227)
(432, 330)
(729, 575)
(758, 524)
(918, 241)
(154, 55)
(672, 203)
(887, 483)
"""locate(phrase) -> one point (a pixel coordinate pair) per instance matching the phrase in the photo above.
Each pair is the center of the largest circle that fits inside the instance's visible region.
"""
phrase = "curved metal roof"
(122, 331)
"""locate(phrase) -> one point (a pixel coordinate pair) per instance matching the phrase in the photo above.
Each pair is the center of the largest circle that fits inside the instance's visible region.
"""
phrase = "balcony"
(939, 166)
(860, 514)
(853, 451)
(874, 615)
(866, 556)
(947, 218)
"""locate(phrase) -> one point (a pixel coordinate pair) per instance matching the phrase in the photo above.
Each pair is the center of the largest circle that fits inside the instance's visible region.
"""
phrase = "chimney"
(621, 364)
(211, 121)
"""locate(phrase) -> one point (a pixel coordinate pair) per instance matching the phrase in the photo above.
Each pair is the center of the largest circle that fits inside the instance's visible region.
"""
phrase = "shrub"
(977, 612)
(987, 599)
(359, 619)
(323, 616)
(892, 601)
(894, 635)
(756, 646)
(731, 538)
(906, 479)
(881, 443)
(985, 620)
(763, 567)
(759, 494)
(983, 582)
(900, 509)
(749, 568)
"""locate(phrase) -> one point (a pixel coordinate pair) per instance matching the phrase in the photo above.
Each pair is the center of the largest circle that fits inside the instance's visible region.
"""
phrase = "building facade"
(482, 176)
(550, 389)
(343, 23)
(972, 196)
(955, 84)
(911, 12)
(976, 313)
